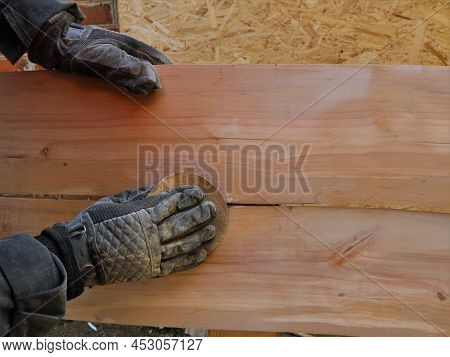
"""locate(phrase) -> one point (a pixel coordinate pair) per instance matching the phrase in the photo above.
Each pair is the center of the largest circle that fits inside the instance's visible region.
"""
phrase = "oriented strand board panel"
(292, 31)
(357, 272)
(377, 135)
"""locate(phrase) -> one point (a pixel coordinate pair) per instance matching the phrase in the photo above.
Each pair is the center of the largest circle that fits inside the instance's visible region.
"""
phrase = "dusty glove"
(69, 47)
(131, 237)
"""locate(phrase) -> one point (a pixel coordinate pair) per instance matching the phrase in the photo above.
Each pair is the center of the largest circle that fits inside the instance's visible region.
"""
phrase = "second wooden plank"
(315, 270)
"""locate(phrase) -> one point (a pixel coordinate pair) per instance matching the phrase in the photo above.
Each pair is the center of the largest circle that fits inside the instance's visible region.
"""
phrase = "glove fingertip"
(208, 209)
(158, 83)
(210, 233)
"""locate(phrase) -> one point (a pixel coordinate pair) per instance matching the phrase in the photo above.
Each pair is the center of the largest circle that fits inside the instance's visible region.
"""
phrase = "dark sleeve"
(32, 287)
(20, 21)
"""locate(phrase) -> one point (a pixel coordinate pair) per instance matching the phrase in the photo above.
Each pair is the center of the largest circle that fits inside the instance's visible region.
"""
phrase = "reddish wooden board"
(364, 272)
(379, 139)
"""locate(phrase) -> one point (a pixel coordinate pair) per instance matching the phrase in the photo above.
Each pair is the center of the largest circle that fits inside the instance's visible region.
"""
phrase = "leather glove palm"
(69, 47)
(132, 236)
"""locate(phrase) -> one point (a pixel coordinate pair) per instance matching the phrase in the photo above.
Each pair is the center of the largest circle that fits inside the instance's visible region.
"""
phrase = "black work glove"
(69, 47)
(132, 236)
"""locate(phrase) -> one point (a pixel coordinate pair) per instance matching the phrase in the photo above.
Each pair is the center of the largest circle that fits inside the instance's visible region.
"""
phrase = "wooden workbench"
(366, 252)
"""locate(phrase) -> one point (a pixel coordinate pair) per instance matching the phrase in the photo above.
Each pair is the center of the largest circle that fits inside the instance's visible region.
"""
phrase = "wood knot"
(351, 248)
(44, 151)
(441, 296)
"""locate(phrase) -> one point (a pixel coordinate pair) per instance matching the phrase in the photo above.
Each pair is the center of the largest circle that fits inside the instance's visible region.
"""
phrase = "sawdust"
(292, 31)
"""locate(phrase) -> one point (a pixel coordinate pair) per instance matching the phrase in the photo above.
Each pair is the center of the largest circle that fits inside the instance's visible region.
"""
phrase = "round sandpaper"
(211, 194)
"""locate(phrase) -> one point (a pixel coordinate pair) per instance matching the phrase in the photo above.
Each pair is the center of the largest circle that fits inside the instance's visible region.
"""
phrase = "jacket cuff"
(21, 21)
(38, 282)
(59, 236)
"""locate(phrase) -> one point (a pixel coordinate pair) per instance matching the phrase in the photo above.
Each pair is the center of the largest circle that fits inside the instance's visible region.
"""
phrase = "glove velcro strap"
(45, 49)
(59, 236)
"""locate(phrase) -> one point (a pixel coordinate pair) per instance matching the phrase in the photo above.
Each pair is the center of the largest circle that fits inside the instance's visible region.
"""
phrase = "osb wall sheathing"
(292, 31)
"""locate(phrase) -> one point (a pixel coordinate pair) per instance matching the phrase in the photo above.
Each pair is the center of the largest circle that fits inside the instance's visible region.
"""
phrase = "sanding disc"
(212, 194)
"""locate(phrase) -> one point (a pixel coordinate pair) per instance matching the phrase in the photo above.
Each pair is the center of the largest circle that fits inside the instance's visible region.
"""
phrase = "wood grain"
(362, 272)
(379, 137)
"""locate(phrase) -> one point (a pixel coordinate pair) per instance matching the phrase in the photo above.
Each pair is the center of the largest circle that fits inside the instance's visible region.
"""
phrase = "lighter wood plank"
(380, 139)
(269, 274)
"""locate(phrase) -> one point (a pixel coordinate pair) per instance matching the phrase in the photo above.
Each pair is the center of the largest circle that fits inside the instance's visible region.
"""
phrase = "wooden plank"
(379, 138)
(364, 272)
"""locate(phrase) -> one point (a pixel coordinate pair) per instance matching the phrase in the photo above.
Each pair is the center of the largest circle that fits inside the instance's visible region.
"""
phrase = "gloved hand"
(69, 47)
(132, 236)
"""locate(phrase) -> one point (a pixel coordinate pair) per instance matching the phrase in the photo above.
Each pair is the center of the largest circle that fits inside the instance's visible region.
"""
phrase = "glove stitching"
(120, 274)
(138, 271)
(119, 268)
(114, 245)
(155, 252)
(108, 248)
(144, 231)
(191, 230)
(98, 263)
